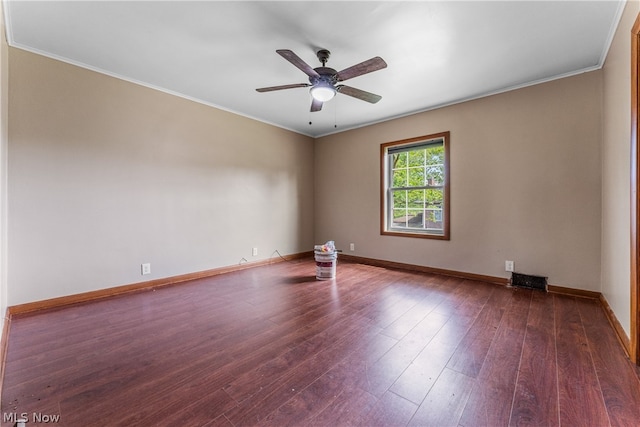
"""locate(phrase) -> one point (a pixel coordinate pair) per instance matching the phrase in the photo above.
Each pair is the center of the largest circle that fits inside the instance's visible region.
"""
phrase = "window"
(415, 187)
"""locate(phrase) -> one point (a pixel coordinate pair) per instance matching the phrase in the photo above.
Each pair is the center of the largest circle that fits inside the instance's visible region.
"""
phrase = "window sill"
(417, 234)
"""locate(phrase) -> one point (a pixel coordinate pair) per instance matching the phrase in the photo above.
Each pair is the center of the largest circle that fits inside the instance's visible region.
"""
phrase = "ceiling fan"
(324, 80)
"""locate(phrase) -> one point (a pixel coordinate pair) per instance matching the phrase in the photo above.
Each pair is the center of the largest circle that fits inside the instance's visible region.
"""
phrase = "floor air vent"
(529, 282)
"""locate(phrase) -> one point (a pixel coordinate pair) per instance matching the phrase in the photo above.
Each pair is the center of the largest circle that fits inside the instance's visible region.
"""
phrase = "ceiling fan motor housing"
(327, 75)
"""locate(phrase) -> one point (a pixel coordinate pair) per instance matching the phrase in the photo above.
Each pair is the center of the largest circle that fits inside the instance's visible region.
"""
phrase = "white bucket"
(326, 265)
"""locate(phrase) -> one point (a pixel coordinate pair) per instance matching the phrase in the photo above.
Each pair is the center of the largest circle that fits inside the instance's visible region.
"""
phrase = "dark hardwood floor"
(273, 346)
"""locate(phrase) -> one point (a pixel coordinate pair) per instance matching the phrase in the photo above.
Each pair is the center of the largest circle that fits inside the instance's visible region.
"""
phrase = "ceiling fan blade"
(292, 86)
(369, 66)
(295, 60)
(315, 105)
(358, 93)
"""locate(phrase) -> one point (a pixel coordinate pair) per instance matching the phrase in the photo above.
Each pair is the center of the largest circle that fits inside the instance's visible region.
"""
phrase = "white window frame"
(386, 190)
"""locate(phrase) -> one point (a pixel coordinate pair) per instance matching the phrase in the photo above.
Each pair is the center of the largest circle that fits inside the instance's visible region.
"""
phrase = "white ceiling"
(219, 52)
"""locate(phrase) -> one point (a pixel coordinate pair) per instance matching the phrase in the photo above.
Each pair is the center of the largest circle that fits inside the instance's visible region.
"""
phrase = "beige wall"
(525, 185)
(105, 175)
(616, 162)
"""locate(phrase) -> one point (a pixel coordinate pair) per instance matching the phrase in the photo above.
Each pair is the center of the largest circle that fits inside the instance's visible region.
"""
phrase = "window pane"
(399, 199)
(415, 218)
(433, 219)
(435, 155)
(399, 218)
(434, 175)
(434, 197)
(416, 177)
(399, 178)
(417, 157)
(399, 160)
(415, 199)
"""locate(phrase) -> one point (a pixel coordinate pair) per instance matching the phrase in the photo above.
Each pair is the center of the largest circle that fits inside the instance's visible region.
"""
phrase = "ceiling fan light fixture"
(323, 92)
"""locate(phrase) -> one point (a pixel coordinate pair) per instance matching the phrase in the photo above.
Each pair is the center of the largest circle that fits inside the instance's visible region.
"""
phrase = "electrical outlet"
(254, 252)
(145, 268)
(352, 246)
(508, 266)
